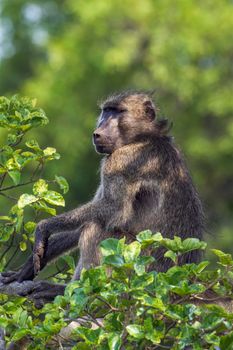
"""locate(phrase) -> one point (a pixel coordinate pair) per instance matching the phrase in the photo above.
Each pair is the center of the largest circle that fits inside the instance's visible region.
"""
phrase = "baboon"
(144, 184)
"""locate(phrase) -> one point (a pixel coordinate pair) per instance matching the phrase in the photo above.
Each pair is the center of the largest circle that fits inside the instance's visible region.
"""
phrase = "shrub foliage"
(122, 304)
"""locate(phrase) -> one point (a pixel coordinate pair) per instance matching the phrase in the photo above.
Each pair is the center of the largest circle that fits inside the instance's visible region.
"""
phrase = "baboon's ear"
(149, 109)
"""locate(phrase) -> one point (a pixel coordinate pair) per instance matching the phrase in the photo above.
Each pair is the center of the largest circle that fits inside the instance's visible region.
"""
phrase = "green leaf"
(5, 218)
(113, 260)
(34, 145)
(226, 342)
(37, 121)
(140, 282)
(212, 338)
(61, 181)
(11, 139)
(33, 102)
(17, 213)
(152, 302)
(132, 251)
(2, 170)
(7, 150)
(190, 244)
(141, 263)
(5, 232)
(225, 259)
(184, 288)
(172, 255)
(69, 260)
(178, 246)
(82, 346)
(93, 279)
(28, 156)
(54, 198)
(26, 199)
(49, 151)
(114, 341)
(19, 334)
(18, 159)
(109, 246)
(154, 331)
(42, 206)
(23, 246)
(91, 336)
(200, 267)
(40, 187)
(15, 176)
(30, 227)
(144, 236)
(136, 331)
(173, 244)
(71, 287)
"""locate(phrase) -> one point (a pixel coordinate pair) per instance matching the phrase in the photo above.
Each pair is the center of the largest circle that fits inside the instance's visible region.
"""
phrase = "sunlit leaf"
(54, 198)
(26, 199)
(135, 331)
(23, 246)
(64, 186)
(40, 187)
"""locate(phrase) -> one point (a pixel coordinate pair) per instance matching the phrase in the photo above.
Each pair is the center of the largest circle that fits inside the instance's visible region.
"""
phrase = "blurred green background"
(70, 54)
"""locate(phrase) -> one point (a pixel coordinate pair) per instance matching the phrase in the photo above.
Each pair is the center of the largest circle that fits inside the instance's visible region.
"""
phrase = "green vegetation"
(72, 53)
(129, 308)
(118, 305)
(18, 159)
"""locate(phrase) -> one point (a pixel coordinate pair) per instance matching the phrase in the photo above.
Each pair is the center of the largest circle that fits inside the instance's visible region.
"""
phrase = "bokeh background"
(71, 53)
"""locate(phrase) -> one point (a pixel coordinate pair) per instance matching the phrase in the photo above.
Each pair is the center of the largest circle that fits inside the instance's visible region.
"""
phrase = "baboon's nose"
(96, 136)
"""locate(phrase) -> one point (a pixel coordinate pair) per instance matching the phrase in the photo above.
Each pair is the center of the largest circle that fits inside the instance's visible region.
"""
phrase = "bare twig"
(12, 256)
(94, 320)
(19, 185)
(109, 305)
(8, 197)
(35, 171)
(8, 247)
(2, 179)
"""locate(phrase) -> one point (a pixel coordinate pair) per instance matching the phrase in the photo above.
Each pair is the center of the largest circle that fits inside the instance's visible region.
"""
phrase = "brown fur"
(144, 184)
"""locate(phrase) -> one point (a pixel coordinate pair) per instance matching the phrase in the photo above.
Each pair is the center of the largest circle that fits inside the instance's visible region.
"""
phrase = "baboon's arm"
(57, 245)
(72, 220)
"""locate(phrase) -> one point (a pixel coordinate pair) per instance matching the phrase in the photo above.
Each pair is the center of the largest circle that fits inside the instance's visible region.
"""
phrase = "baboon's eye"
(107, 109)
(113, 110)
(110, 109)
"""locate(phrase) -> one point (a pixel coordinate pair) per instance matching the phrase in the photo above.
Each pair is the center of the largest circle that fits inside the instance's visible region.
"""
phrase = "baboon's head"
(125, 118)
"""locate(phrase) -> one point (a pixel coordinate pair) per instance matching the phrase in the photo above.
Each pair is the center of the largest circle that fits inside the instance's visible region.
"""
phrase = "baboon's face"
(122, 120)
(107, 136)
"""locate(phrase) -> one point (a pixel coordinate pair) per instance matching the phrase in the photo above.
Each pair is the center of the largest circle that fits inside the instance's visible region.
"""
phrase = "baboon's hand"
(26, 273)
(39, 248)
(9, 276)
(44, 292)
